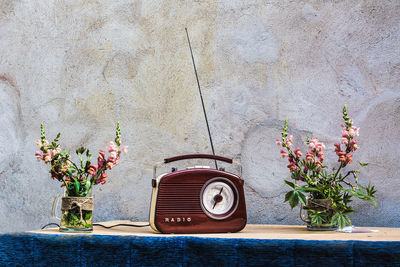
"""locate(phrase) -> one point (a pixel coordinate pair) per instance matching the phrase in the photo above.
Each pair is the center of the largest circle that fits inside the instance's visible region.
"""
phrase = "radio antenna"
(201, 97)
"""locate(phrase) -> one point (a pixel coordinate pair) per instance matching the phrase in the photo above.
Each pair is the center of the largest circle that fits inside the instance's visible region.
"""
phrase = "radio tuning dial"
(219, 198)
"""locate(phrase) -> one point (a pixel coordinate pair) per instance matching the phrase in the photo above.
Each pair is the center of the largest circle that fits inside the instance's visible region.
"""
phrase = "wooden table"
(251, 231)
(256, 245)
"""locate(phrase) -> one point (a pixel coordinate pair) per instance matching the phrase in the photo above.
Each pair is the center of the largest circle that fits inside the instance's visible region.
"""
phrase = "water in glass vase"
(76, 214)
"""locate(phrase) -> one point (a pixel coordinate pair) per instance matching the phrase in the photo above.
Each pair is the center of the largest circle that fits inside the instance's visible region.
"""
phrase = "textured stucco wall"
(79, 66)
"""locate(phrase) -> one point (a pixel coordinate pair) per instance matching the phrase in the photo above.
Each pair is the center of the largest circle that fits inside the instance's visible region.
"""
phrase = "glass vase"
(76, 214)
(318, 205)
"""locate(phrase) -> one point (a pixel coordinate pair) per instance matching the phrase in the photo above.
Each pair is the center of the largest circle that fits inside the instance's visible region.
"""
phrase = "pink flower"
(289, 140)
(297, 152)
(47, 158)
(337, 147)
(353, 145)
(39, 143)
(355, 131)
(284, 154)
(113, 155)
(124, 149)
(311, 145)
(349, 158)
(292, 167)
(102, 178)
(109, 165)
(111, 147)
(309, 156)
(277, 142)
(342, 156)
(92, 169)
(38, 155)
(319, 165)
(345, 141)
(100, 162)
(320, 147)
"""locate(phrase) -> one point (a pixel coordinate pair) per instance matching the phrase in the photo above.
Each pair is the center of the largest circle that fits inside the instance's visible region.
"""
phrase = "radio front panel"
(198, 201)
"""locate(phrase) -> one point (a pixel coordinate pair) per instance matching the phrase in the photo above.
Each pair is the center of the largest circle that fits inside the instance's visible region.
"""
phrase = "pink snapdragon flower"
(102, 178)
(309, 157)
(92, 169)
(349, 158)
(39, 143)
(278, 143)
(101, 159)
(284, 154)
(354, 131)
(342, 156)
(289, 140)
(124, 149)
(291, 166)
(112, 147)
(353, 145)
(39, 155)
(297, 152)
(337, 148)
(109, 165)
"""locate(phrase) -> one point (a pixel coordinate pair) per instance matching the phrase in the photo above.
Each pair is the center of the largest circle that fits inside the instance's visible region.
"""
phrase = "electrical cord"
(98, 224)
(121, 224)
(56, 224)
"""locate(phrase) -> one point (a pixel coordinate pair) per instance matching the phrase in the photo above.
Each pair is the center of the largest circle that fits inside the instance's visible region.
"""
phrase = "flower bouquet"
(78, 178)
(329, 192)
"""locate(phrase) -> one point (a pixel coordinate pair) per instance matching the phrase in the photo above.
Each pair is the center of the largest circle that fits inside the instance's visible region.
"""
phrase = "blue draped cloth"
(32, 249)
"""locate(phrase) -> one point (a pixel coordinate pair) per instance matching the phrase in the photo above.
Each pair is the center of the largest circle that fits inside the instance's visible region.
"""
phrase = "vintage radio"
(197, 199)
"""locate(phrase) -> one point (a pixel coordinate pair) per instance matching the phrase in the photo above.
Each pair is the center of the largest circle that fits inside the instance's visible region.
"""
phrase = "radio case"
(197, 199)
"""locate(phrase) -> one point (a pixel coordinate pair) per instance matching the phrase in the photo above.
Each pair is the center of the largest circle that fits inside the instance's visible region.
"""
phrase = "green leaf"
(77, 186)
(317, 218)
(88, 216)
(294, 199)
(302, 198)
(340, 220)
(288, 195)
(290, 184)
(363, 164)
(87, 187)
(309, 189)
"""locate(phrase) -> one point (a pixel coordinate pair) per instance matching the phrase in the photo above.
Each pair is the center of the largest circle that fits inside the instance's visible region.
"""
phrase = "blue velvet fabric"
(29, 249)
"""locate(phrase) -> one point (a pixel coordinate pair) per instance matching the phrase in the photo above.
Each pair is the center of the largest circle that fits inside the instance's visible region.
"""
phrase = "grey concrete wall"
(79, 66)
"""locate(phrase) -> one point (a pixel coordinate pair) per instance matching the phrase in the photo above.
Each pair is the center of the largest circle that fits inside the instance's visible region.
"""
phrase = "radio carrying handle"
(196, 156)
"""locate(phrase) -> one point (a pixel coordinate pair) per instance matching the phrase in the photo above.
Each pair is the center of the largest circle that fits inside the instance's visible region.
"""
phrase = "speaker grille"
(179, 199)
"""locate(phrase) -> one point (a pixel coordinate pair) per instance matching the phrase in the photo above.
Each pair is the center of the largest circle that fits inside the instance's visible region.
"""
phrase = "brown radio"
(197, 199)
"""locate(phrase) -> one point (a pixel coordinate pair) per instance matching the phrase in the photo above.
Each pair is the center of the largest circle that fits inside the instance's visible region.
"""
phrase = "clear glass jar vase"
(76, 214)
(324, 205)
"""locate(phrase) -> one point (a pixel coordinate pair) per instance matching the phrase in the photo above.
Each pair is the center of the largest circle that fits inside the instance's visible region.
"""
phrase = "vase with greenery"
(78, 178)
(325, 193)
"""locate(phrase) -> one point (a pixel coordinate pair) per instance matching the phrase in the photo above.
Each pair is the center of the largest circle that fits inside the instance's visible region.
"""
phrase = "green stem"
(340, 167)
